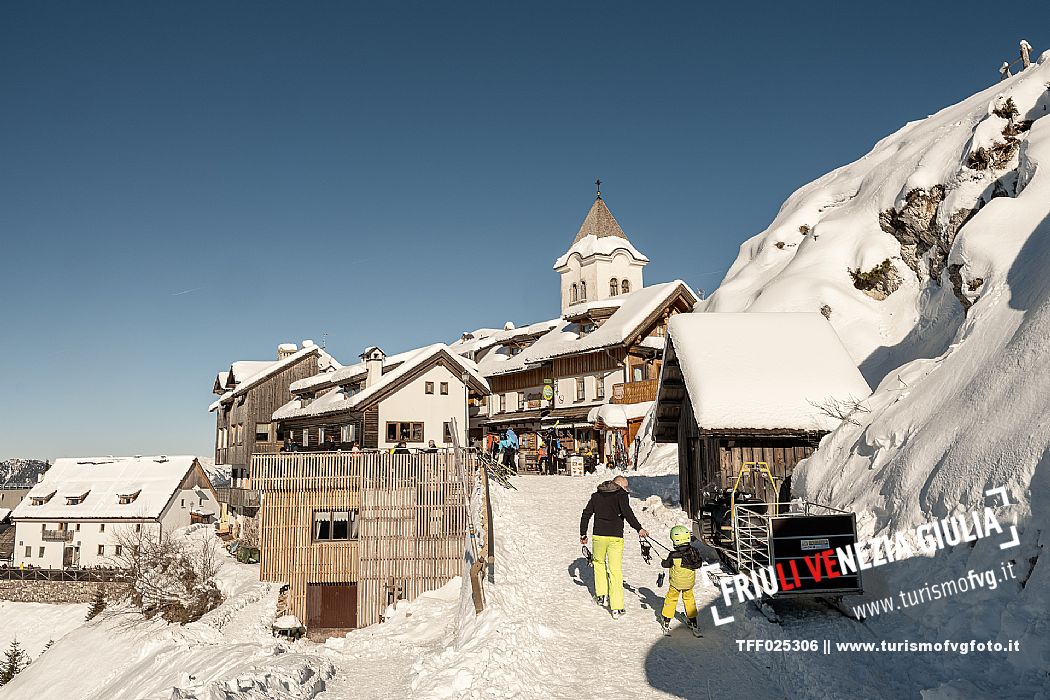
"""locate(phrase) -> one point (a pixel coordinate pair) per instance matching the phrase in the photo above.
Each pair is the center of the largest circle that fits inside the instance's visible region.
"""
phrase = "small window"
(41, 552)
(346, 433)
(335, 525)
(581, 389)
(101, 550)
(116, 550)
(183, 502)
(583, 291)
(76, 500)
(574, 294)
(306, 437)
(429, 388)
(138, 527)
(102, 527)
(126, 498)
(29, 552)
(40, 500)
(447, 432)
(625, 287)
(614, 287)
(444, 388)
(599, 389)
(521, 400)
(404, 432)
(502, 403)
(262, 432)
(78, 527)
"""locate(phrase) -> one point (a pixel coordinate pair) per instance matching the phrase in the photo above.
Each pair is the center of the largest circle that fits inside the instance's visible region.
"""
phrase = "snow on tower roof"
(101, 481)
(762, 370)
(599, 234)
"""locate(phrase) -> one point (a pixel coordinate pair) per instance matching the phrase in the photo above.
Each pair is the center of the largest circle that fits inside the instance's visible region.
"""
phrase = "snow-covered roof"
(616, 415)
(336, 400)
(763, 370)
(584, 307)
(101, 481)
(592, 245)
(566, 338)
(268, 369)
(347, 374)
(484, 338)
(243, 370)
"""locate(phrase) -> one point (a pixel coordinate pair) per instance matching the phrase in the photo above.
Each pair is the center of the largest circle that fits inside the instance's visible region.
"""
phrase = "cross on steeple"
(598, 185)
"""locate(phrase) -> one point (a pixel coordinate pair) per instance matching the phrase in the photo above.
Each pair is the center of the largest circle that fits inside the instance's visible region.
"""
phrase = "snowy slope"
(959, 352)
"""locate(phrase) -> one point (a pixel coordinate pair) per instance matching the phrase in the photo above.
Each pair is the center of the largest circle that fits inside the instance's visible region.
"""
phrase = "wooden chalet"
(249, 392)
(605, 347)
(746, 387)
(413, 398)
(353, 532)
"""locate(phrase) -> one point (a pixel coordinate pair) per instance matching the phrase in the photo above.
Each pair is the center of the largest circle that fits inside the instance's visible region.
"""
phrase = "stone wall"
(57, 591)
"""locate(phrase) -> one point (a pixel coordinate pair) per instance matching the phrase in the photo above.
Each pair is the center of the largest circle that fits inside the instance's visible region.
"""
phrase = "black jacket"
(610, 505)
(690, 557)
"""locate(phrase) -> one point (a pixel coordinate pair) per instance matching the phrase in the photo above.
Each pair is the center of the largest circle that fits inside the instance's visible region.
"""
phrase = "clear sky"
(187, 184)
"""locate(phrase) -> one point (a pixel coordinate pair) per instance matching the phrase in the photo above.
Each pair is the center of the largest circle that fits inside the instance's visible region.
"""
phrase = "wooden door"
(331, 605)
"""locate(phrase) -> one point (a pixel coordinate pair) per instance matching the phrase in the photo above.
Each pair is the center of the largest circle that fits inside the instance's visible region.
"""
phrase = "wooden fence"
(92, 575)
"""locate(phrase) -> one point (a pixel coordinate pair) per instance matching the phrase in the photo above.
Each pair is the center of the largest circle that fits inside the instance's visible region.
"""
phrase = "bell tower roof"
(599, 223)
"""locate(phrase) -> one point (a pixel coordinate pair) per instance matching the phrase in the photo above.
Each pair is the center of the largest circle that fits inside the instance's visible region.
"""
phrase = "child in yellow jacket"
(683, 561)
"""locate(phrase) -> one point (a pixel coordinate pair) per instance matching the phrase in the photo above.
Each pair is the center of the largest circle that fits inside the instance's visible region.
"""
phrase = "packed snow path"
(544, 637)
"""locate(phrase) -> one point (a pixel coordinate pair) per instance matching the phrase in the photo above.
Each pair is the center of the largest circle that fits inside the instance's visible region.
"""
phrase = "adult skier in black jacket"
(610, 505)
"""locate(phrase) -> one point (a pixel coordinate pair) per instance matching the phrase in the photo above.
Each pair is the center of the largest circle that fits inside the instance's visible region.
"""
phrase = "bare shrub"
(249, 536)
(171, 578)
(842, 409)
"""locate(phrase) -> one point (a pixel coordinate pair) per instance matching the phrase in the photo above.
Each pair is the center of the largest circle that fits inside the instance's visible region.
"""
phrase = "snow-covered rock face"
(909, 200)
(960, 353)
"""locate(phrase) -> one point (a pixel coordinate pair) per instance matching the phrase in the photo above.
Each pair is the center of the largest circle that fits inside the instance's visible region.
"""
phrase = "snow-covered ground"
(33, 625)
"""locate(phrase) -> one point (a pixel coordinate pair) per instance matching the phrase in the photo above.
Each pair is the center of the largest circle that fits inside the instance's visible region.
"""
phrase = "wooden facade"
(411, 518)
(256, 405)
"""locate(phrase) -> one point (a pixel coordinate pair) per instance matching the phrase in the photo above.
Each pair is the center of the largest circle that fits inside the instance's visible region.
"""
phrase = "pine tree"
(98, 604)
(14, 661)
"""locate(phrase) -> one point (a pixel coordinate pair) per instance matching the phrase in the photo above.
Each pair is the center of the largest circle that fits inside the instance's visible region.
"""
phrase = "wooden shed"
(745, 387)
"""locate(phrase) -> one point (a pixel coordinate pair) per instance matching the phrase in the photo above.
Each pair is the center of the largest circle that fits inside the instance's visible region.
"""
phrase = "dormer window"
(126, 498)
(76, 500)
(40, 500)
(614, 287)
(625, 287)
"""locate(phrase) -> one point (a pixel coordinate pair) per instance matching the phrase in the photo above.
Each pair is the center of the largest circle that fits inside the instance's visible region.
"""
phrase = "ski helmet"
(681, 535)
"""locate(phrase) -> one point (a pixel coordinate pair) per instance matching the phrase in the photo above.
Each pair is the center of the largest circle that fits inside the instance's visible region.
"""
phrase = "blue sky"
(186, 184)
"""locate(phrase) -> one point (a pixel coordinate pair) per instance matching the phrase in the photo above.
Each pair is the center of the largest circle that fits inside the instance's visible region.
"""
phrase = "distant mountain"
(18, 472)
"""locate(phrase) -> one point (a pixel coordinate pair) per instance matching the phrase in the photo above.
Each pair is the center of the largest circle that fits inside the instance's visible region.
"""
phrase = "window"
(404, 431)
(40, 500)
(614, 287)
(102, 527)
(502, 403)
(599, 389)
(346, 433)
(116, 550)
(581, 389)
(444, 388)
(138, 527)
(521, 400)
(320, 435)
(29, 552)
(583, 291)
(126, 498)
(184, 503)
(335, 525)
(101, 550)
(78, 527)
(574, 295)
(76, 500)
(306, 437)
(447, 433)
(262, 432)
(625, 287)
(429, 388)
(41, 552)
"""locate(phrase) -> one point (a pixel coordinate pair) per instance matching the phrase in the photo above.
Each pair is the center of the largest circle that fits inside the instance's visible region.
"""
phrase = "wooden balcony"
(57, 536)
(635, 392)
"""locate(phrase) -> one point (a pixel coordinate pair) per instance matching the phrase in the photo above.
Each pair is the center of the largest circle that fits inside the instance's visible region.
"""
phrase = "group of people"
(610, 507)
(551, 452)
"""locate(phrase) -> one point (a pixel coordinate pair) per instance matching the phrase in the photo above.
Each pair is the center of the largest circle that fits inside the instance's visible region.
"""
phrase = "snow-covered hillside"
(954, 330)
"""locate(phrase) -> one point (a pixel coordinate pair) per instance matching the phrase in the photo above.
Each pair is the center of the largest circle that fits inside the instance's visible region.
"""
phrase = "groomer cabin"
(739, 388)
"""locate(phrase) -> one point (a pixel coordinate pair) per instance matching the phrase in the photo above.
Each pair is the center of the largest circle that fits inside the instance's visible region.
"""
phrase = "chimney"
(373, 358)
(286, 350)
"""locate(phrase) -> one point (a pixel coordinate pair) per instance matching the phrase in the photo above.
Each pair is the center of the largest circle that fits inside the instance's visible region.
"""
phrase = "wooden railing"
(57, 536)
(239, 497)
(635, 392)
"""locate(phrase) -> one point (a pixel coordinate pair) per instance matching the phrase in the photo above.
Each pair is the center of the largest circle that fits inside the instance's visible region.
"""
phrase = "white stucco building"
(73, 516)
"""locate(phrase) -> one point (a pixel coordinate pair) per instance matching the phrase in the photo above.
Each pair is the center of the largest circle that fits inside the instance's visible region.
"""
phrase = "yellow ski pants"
(608, 577)
(671, 602)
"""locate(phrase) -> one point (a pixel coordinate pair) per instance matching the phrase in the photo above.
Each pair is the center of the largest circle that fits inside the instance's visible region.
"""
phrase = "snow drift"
(929, 256)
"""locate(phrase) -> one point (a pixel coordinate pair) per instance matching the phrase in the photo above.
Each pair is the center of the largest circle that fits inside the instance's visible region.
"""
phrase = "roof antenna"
(324, 338)
(598, 185)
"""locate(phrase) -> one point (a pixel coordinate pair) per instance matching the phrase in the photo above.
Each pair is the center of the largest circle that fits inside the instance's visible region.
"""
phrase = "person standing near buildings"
(610, 506)
(510, 448)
